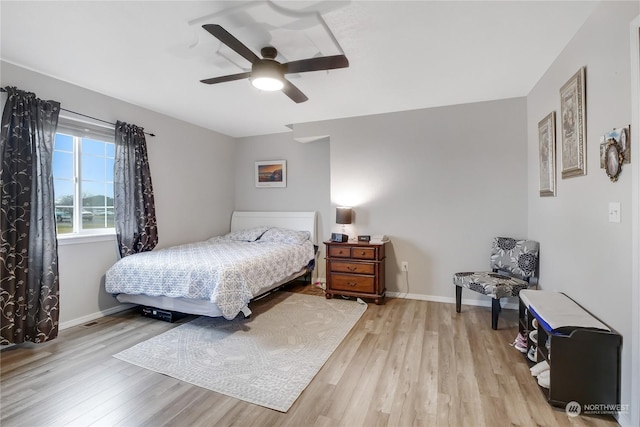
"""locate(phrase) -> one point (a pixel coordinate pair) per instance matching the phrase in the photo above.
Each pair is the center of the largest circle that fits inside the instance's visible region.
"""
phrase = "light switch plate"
(614, 212)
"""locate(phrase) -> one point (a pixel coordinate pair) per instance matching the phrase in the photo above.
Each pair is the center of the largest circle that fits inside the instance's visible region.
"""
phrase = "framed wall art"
(271, 173)
(621, 137)
(613, 159)
(547, 140)
(573, 117)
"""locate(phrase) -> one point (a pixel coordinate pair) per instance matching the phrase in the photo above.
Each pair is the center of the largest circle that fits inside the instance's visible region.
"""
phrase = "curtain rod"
(85, 115)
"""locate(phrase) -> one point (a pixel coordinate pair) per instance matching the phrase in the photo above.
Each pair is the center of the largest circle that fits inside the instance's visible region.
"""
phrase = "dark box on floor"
(166, 315)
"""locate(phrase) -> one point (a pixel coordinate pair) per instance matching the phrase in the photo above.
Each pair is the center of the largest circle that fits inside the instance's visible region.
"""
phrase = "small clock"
(364, 238)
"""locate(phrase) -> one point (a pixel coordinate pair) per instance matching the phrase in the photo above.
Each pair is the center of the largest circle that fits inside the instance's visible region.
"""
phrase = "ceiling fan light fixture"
(267, 83)
(267, 75)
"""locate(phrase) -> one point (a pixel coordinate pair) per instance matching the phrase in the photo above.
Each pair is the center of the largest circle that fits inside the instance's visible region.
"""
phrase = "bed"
(220, 276)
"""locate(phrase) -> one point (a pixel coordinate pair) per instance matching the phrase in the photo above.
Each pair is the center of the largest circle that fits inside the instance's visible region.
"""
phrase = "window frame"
(79, 129)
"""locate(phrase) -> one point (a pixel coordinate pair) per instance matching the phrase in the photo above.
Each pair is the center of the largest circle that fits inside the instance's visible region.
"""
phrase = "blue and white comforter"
(225, 272)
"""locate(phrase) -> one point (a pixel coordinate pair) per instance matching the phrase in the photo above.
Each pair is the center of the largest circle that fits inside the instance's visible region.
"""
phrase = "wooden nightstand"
(356, 269)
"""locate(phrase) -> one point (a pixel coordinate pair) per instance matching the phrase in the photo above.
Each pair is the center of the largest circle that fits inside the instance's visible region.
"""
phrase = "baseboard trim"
(449, 300)
(93, 316)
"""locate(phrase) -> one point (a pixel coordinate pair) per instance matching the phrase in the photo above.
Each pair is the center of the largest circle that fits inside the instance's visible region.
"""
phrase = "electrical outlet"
(405, 266)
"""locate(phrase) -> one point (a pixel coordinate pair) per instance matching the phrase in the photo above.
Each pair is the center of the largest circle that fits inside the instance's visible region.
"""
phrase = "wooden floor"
(406, 363)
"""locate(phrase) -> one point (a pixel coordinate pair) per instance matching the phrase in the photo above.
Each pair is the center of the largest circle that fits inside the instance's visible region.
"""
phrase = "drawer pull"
(350, 268)
(352, 283)
(340, 252)
(362, 253)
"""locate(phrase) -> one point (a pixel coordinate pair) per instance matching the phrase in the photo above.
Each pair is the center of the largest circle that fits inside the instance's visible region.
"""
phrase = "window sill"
(76, 239)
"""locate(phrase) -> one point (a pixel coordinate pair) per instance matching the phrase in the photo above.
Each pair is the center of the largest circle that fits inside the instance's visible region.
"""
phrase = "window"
(83, 157)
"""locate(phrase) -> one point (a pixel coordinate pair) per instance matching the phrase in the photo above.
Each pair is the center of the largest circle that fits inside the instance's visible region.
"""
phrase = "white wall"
(307, 180)
(441, 182)
(583, 254)
(191, 169)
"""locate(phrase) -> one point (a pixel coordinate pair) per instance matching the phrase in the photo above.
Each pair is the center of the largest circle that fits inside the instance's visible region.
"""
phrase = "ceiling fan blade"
(293, 92)
(229, 78)
(236, 45)
(316, 64)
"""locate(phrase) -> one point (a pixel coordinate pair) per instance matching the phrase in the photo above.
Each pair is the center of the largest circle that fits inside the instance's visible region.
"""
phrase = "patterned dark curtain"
(29, 288)
(135, 212)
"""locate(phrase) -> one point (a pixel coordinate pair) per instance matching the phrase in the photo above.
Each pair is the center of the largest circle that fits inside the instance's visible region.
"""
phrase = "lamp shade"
(344, 215)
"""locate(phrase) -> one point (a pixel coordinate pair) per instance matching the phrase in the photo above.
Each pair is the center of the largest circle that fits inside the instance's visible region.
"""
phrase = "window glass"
(83, 181)
(63, 157)
(93, 148)
(93, 168)
(109, 171)
(64, 142)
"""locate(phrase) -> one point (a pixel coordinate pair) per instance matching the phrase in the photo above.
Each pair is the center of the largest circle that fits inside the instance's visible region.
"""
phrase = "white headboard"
(304, 221)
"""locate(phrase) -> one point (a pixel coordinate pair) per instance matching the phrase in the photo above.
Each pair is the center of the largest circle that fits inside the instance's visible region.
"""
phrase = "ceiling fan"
(267, 73)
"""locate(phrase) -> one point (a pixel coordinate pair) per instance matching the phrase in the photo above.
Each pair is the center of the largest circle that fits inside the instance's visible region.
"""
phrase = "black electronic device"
(339, 237)
(364, 238)
(165, 315)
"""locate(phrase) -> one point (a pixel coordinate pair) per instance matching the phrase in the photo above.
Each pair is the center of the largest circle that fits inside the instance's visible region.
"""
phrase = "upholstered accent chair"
(514, 266)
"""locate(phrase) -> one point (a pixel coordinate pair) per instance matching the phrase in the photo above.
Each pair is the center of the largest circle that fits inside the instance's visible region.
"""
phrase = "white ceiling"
(403, 55)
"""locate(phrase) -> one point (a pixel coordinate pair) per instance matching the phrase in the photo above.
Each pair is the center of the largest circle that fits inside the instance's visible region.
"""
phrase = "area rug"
(267, 359)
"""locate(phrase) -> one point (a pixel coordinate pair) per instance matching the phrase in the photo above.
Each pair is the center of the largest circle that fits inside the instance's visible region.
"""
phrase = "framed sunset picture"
(271, 173)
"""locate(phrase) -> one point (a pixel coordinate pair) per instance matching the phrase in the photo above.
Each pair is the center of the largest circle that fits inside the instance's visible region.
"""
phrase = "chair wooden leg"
(458, 298)
(495, 311)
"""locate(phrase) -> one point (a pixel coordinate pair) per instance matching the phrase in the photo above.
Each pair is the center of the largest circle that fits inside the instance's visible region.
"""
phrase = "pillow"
(247, 234)
(284, 235)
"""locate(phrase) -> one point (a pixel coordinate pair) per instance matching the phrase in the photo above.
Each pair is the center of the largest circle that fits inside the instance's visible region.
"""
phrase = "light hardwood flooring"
(406, 363)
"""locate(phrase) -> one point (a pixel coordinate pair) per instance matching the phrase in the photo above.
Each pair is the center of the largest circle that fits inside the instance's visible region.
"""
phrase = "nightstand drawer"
(356, 269)
(340, 251)
(363, 253)
(352, 267)
(345, 282)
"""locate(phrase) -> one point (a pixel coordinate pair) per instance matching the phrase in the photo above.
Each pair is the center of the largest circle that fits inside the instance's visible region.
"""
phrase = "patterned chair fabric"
(517, 257)
(513, 262)
(494, 285)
